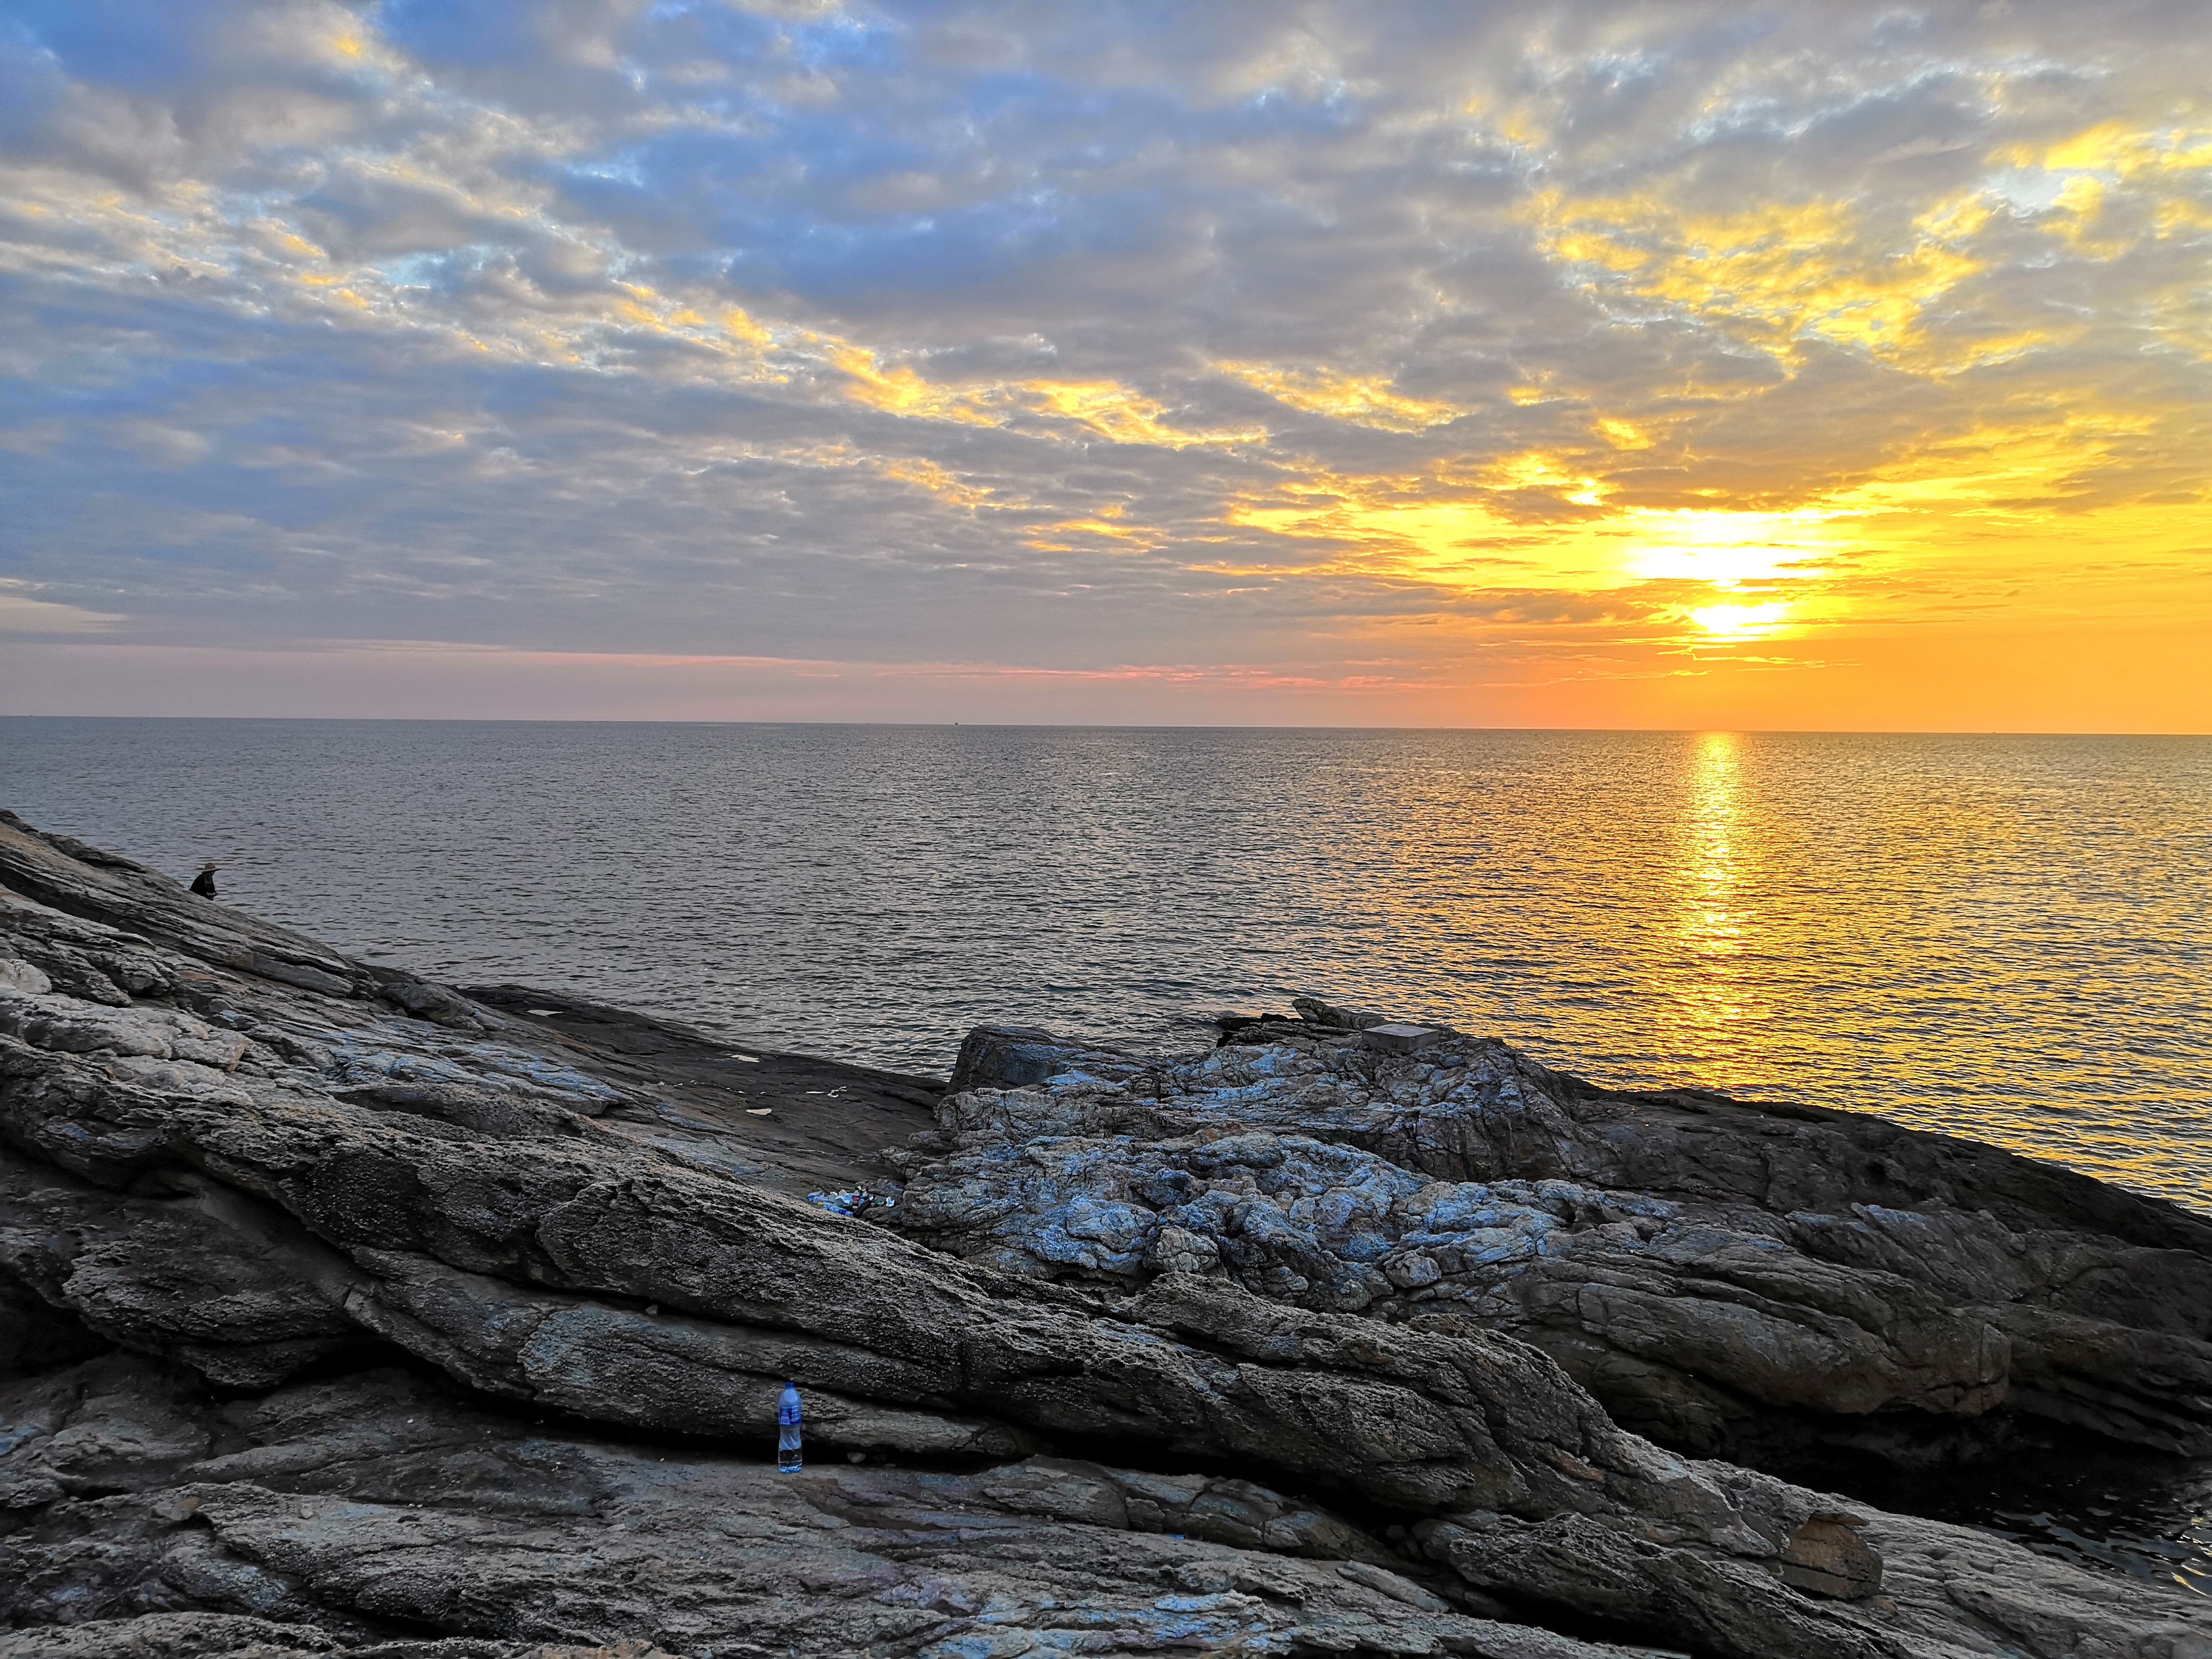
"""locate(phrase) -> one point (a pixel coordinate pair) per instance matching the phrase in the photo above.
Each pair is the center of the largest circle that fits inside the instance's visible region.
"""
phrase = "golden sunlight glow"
(1779, 270)
(1117, 412)
(1425, 540)
(1107, 408)
(1095, 527)
(1364, 400)
(1725, 548)
(1534, 470)
(902, 392)
(1472, 544)
(1804, 413)
(1741, 622)
(2128, 151)
(1712, 988)
(929, 476)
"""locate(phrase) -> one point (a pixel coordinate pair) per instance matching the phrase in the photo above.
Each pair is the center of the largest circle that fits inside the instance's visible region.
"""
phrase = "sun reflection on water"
(1715, 924)
(1998, 937)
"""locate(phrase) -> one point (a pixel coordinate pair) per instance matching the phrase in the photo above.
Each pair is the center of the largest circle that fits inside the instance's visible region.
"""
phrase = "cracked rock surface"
(340, 1509)
(1725, 1276)
(348, 1314)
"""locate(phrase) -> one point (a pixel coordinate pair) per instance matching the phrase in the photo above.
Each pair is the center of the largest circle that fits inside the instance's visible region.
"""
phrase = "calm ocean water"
(1999, 937)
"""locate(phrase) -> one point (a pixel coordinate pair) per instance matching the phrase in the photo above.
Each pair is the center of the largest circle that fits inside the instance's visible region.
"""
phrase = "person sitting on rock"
(203, 883)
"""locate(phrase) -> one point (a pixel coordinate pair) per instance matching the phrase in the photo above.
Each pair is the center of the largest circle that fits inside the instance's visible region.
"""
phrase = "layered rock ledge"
(346, 1313)
(1760, 1281)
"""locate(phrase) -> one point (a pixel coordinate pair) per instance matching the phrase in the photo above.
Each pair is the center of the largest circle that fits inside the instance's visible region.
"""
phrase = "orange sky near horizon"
(1842, 380)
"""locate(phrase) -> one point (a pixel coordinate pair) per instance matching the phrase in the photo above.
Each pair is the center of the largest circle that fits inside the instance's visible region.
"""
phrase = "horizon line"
(1116, 725)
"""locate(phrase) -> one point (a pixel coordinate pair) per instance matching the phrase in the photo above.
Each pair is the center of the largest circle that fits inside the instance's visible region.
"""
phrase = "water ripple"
(1999, 937)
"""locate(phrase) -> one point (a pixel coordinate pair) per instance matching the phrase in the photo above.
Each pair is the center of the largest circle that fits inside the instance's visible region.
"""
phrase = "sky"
(1827, 365)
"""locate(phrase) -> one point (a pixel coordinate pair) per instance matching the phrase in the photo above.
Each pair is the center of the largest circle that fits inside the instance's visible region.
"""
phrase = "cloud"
(1086, 340)
(21, 614)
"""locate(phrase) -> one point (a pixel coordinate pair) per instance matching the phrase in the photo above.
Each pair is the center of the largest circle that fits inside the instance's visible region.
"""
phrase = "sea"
(2003, 936)
(2009, 938)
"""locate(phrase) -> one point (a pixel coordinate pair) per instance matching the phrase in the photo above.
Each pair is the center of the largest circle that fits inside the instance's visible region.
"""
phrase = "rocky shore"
(345, 1313)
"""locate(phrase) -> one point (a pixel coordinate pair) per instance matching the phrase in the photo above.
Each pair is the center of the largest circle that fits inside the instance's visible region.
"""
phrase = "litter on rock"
(853, 1202)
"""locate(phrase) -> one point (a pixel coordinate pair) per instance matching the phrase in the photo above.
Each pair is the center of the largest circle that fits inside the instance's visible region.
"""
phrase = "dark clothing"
(204, 884)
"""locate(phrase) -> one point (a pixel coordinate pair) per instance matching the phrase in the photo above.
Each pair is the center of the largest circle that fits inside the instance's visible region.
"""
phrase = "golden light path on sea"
(1717, 994)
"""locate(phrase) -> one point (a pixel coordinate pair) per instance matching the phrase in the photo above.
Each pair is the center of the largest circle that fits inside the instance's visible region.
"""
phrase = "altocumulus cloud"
(1366, 346)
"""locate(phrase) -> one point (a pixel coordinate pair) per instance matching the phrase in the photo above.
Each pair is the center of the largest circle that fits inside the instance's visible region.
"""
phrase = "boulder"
(1727, 1277)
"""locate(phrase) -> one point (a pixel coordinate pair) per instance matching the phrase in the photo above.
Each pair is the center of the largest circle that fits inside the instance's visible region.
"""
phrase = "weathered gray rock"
(236, 1636)
(241, 1176)
(346, 1511)
(1720, 1274)
(75, 883)
(356, 1514)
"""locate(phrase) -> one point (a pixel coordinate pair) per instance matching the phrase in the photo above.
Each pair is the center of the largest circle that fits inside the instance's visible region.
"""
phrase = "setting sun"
(778, 361)
(1739, 622)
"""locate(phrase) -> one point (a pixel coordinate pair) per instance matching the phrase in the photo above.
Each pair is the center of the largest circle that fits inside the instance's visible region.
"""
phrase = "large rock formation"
(347, 1311)
(334, 1511)
(1726, 1277)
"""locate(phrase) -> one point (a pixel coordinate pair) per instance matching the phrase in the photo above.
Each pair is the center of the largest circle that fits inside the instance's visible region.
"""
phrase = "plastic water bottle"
(786, 1430)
